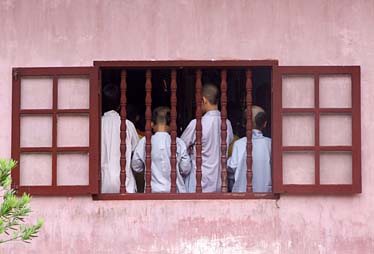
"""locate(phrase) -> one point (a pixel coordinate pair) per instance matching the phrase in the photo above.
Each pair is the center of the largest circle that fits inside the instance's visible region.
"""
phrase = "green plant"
(14, 210)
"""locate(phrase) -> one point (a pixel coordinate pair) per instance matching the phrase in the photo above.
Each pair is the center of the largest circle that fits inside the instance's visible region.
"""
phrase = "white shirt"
(160, 157)
(261, 163)
(111, 153)
(211, 151)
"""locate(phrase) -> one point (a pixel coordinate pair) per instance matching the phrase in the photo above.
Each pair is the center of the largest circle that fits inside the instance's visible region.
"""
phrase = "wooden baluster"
(148, 130)
(198, 98)
(249, 129)
(123, 131)
(173, 130)
(223, 129)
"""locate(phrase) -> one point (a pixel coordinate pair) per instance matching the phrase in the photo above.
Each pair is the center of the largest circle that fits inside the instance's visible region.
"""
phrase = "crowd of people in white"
(185, 152)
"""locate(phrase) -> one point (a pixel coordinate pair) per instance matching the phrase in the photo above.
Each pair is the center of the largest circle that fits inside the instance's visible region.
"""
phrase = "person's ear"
(265, 124)
(204, 100)
(152, 125)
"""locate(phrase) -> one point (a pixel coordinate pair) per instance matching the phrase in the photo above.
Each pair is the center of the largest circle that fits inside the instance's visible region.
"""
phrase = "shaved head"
(161, 115)
(258, 117)
(211, 93)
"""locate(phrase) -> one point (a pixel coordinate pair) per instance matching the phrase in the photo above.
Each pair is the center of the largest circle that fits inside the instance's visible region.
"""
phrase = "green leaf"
(14, 209)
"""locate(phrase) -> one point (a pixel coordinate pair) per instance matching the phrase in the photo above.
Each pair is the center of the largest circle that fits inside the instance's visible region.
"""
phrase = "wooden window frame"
(55, 73)
(197, 64)
(354, 148)
(95, 126)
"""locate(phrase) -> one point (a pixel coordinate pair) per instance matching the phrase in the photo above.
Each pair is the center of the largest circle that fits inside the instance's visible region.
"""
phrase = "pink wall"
(74, 33)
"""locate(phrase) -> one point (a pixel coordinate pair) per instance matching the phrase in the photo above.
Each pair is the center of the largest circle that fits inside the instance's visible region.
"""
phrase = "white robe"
(261, 163)
(160, 157)
(211, 151)
(111, 153)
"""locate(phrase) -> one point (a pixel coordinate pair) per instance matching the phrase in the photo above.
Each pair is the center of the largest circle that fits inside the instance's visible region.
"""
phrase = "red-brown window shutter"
(63, 159)
(316, 129)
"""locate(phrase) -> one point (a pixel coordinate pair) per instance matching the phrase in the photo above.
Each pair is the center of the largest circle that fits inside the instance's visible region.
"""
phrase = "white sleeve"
(133, 135)
(104, 146)
(189, 134)
(270, 148)
(184, 160)
(230, 134)
(269, 182)
(138, 159)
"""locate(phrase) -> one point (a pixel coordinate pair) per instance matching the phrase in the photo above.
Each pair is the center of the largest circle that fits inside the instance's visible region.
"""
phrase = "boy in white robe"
(111, 142)
(261, 157)
(160, 155)
(211, 142)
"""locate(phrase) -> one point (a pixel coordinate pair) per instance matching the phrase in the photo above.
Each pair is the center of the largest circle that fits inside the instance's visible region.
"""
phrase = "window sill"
(184, 196)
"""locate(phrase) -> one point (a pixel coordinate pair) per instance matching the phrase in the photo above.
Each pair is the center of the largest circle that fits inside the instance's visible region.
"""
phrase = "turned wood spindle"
(249, 129)
(198, 98)
(123, 131)
(223, 129)
(173, 130)
(148, 130)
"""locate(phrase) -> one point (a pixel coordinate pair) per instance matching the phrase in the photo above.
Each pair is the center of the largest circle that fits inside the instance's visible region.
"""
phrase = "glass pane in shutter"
(335, 91)
(73, 131)
(36, 93)
(73, 93)
(298, 168)
(36, 131)
(336, 168)
(298, 130)
(335, 130)
(72, 169)
(297, 91)
(35, 169)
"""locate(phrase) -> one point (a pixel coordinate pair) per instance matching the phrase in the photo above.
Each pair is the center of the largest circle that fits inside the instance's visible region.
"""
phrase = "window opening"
(186, 97)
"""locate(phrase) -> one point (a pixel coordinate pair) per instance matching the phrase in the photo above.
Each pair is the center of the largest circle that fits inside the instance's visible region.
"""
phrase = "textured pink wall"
(74, 33)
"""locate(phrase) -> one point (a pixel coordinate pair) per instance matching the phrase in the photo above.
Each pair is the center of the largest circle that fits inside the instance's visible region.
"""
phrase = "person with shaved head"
(160, 154)
(211, 142)
(111, 143)
(261, 157)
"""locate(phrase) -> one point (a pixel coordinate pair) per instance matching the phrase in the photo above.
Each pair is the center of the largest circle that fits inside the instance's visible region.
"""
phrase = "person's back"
(211, 150)
(261, 162)
(160, 155)
(261, 159)
(211, 143)
(111, 142)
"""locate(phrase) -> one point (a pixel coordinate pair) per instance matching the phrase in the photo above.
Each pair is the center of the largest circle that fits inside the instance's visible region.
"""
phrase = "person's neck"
(161, 128)
(211, 108)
